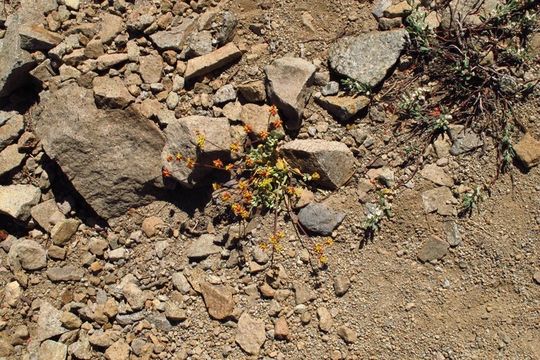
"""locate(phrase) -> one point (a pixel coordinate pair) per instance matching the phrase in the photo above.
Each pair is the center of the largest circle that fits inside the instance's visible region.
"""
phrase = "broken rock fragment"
(464, 140)
(528, 151)
(11, 126)
(34, 38)
(111, 92)
(15, 63)
(27, 254)
(193, 143)
(288, 87)
(433, 249)
(174, 38)
(205, 64)
(17, 200)
(218, 299)
(331, 160)
(440, 200)
(251, 334)
(343, 107)
(10, 158)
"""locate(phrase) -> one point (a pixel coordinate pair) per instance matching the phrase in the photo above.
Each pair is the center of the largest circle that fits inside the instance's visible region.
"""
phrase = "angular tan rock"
(528, 151)
(150, 225)
(218, 299)
(34, 38)
(111, 92)
(174, 38)
(11, 128)
(288, 87)
(332, 160)
(257, 117)
(64, 230)
(27, 254)
(251, 334)
(150, 68)
(343, 107)
(111, 26)
(10, 158)
(118, 351)
(253, 91)
(46, 214)
(17, 200)
(52, 350)
(440, 200)
(325, 319)
(202, 65)
(109, 60)
(182, 136)
(281, 329)
(437, 175)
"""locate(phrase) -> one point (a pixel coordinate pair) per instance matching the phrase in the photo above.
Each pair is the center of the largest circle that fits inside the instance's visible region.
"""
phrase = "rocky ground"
(110, 248)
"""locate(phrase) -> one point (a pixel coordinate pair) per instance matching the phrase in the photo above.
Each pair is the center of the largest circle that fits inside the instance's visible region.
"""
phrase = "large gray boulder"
(367, 58)
(288, 87)
(112, 157)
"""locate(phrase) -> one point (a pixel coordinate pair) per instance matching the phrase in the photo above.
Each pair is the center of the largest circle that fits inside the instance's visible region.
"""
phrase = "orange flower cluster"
(276, 124)
(218, 163)
(240, 210)
(275, 241)
(319, 249)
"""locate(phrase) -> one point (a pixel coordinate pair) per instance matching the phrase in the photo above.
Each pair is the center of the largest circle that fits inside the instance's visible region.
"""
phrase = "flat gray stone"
(202, 247)
(160, 321)
(464, 140)
(320, 219)
(433, 249)
(15, 63)
(368, 57)
(128, 319)
(453, 235)
(66, 273)
(225, 94)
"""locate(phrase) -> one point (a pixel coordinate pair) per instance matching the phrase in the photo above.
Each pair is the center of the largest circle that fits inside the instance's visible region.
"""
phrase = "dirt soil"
(480, 301)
